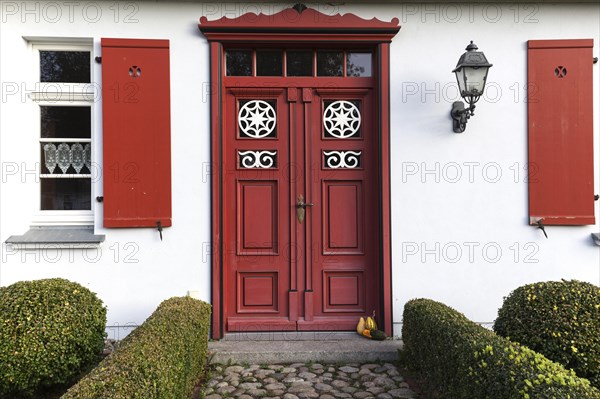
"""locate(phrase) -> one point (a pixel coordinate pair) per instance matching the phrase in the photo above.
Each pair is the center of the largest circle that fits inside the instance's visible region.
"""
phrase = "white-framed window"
(64, 97)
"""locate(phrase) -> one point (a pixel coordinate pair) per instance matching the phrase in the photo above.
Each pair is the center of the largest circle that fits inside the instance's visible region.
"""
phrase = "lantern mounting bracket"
(460, 115)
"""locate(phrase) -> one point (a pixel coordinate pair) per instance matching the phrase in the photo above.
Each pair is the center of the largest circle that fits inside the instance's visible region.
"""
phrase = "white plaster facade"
(460, 230)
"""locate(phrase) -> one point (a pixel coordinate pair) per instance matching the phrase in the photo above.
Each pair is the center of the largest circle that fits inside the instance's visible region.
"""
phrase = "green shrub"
(162, 358)
(50, 332)
(461, 359)
(559, 319)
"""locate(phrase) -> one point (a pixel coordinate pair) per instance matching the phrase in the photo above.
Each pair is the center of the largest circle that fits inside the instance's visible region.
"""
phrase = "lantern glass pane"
(460, 79)
(475, 79)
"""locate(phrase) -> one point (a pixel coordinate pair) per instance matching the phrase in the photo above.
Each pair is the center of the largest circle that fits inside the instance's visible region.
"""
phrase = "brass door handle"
(301, 208)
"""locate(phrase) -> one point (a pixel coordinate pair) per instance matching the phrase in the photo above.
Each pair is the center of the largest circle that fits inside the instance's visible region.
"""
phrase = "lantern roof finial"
(472, 46)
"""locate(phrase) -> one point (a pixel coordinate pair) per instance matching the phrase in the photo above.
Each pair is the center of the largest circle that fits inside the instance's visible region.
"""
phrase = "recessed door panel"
(257, 292)
(257, 207)
(343, 217)
(344, 291)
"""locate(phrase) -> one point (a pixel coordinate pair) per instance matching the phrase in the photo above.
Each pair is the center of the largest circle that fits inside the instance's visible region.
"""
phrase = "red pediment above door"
(298, 22)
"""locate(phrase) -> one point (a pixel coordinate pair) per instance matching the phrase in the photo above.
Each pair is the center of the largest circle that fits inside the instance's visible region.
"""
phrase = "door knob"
(301, 208)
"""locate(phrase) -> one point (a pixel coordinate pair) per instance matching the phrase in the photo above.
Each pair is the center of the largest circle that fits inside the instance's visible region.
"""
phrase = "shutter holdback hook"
(540, 225)
(159, 228)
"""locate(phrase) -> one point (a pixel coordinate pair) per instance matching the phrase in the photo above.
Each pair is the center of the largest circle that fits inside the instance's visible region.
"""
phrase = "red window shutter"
(560, 114)
(136, 132)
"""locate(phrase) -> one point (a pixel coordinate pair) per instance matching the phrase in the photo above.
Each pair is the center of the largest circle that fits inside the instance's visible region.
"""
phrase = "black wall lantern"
(471, 75)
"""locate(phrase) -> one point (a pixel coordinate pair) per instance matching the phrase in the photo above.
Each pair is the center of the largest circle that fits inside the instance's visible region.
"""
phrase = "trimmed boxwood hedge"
(460, 359)
(51, 331)
(162, 358)
(560, 320)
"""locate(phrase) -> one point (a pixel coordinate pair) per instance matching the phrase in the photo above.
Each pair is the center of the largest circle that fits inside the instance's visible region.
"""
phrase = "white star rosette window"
(257, 119)
(341, 120)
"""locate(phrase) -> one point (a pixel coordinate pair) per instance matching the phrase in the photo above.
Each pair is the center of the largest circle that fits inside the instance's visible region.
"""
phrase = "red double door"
(301, 205)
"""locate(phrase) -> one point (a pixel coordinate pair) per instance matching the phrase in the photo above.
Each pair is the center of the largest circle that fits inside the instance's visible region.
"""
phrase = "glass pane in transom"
(358, 64)
(238, 62)
(299, 63)
(330, 63)
(269, 63)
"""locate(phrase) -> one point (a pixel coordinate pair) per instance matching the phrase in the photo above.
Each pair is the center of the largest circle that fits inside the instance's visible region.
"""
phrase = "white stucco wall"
(450, 192)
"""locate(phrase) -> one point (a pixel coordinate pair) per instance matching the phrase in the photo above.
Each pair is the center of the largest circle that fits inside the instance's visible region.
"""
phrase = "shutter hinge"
(98, 60)
(99, 198)
(159, 228)
(595, 60)
(596, 197)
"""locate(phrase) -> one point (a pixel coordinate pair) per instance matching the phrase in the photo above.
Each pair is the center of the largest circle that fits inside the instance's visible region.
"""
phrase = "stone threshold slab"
(351, 350)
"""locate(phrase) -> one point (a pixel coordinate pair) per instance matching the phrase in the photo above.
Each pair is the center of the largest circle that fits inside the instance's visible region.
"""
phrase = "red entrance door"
(299, 135)
(300, 235)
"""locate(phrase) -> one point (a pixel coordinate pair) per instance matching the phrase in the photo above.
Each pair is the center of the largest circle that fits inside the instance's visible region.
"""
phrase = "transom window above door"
(298, 62)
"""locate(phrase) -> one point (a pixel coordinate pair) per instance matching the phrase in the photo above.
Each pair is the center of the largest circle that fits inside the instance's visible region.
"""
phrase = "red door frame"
(308, 26)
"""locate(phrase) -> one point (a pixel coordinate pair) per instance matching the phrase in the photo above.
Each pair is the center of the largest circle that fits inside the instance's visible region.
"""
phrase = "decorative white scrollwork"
(257, 119)
(342, 159)
(257, 159)
(64, 156)
(341, 119)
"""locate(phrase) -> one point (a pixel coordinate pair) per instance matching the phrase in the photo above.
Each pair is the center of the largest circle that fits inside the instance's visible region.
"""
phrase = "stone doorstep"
(346, 348)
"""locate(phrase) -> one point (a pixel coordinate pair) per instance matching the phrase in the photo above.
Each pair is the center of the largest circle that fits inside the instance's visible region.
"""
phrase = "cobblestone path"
(299, 380)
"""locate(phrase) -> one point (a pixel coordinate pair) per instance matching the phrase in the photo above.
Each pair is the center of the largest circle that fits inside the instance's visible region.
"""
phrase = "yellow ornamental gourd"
(370, 323)
(360, 327)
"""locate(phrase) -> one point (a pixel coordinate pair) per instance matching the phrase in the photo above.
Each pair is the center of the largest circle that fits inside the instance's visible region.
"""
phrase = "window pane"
(269, 63)
(330, 63)
(239, 62)
(66, 194)
(299, 63)
(358, 64)
(66, 122)
(65, 66)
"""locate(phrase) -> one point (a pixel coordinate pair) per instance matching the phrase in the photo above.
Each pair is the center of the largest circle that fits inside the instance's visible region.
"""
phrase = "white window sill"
(56, 237)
